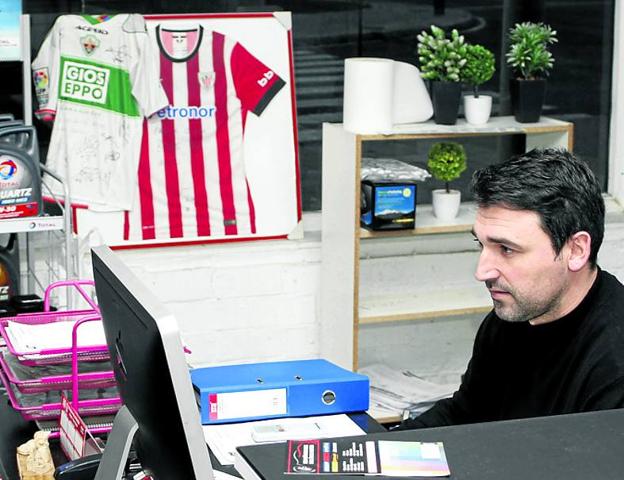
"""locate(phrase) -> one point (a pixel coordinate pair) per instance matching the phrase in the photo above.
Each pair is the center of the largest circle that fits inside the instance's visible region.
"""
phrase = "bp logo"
(89, 44)
(84, 82)
(8, 169)
(407, 192)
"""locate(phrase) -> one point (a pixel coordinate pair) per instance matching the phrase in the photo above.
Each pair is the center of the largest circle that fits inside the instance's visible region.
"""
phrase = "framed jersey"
(94, 77)
(220, 162)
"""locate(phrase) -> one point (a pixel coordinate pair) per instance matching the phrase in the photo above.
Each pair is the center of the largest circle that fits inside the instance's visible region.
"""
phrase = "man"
(554, 342)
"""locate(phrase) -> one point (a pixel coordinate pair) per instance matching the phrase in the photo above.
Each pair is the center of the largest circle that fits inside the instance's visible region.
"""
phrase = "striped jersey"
(95, 77)
(191, 176)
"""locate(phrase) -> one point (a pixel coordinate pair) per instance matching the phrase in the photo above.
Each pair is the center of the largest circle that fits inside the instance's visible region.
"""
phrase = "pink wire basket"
(47, 356)
(93, 393)
(27, 381)
(52, 410)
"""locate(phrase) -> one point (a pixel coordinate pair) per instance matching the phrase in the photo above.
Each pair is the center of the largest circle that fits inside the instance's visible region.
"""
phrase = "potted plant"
(446, 162)
(441, 61)
(479, 68)
(531, 62)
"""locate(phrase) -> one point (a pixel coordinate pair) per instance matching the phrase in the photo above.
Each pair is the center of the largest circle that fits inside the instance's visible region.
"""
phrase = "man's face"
(525, 277)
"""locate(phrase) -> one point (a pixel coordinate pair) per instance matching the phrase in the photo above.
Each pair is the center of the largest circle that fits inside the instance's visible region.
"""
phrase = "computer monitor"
(153, 379)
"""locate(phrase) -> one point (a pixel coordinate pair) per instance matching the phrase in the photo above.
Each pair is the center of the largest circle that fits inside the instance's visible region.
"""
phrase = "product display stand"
(61, 223)
(342, 310)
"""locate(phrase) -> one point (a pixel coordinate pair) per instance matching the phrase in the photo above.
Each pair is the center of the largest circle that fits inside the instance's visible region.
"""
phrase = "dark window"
(328, 31)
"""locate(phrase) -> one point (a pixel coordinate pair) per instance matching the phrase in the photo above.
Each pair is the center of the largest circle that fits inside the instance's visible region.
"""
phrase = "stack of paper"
(394, 391)
(27, 338)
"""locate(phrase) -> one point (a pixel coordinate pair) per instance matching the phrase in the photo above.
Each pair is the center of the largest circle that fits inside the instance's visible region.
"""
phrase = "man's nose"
(486, 267)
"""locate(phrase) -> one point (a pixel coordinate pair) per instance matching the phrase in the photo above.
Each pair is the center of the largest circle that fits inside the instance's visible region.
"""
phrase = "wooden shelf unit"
(341, 311)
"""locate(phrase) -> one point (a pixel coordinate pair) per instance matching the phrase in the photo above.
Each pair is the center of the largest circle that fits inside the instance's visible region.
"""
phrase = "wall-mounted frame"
(201, 183)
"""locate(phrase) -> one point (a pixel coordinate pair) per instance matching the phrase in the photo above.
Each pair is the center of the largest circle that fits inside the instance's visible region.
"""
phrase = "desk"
(567, 447)
(363, 420)
(14, 430)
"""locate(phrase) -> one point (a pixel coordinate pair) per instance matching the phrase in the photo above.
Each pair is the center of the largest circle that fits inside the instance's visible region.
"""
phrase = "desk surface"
(14, 430)
(567, 447)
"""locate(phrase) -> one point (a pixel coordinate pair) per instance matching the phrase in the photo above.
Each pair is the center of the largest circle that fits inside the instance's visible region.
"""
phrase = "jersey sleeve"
(45, 71)
(255, 83)
(144, 72)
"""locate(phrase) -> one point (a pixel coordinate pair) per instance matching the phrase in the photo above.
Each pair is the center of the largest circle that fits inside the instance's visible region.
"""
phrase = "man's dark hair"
(556, 185)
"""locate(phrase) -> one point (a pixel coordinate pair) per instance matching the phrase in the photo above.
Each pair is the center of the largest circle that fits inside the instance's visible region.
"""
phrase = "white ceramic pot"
(477, 109)
(445, 205)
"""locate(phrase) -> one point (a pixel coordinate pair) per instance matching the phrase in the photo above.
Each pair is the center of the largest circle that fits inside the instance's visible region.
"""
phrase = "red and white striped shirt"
(191, 175)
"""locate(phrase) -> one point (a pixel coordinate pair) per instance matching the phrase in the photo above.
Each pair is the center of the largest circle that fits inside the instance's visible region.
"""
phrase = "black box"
(387, 205)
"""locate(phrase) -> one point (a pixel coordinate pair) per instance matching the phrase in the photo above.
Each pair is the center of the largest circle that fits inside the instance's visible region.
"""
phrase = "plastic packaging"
(391, 170)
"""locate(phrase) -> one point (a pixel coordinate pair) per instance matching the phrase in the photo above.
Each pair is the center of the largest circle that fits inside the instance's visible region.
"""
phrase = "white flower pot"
(477, 109)
(445, 205)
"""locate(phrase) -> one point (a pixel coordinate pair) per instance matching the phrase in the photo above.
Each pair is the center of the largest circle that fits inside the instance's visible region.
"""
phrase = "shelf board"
(31, 224)
(496, 126)
(427, 223)
(425, 305)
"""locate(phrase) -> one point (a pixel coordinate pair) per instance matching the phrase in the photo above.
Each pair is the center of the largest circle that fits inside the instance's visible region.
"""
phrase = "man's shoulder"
(611, 279)
(607, 319)
(611, 290)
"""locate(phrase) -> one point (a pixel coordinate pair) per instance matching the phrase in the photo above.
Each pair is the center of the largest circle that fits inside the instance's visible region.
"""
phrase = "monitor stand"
(115, 456)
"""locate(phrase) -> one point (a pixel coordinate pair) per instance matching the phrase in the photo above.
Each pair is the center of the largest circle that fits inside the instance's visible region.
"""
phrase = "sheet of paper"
(223, 439)
(393, 391)
(32, 338)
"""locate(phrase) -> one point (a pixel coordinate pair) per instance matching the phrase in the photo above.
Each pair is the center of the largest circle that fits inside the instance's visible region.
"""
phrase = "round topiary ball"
(447, 161)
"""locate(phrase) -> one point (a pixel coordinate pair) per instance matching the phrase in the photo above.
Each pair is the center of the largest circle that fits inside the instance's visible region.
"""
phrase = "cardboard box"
(388, 205)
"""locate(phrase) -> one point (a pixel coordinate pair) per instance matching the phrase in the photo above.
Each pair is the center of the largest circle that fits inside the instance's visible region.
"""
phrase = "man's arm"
(448, 411)
(471, 402)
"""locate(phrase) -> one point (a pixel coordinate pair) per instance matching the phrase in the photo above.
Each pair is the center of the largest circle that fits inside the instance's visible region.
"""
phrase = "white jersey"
(94, 75)
(191, 177)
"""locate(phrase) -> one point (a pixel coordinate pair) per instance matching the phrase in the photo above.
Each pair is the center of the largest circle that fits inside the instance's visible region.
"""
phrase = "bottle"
(20, 175)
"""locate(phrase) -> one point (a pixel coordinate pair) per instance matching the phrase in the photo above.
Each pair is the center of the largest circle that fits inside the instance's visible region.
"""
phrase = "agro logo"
(89, 44)
(84, 82)
(7, 169)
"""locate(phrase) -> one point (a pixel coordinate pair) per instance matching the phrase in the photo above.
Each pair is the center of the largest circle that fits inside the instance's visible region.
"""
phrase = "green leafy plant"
(528, 51)
(441, 58)
(479, 68)
(447, 161)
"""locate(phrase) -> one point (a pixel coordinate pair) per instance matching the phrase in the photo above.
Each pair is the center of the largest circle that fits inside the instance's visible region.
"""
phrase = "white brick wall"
(238, 302)
(259, 301)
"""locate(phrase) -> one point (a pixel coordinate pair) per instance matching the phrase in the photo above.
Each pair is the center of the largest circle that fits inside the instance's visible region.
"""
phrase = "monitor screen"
(151, 372)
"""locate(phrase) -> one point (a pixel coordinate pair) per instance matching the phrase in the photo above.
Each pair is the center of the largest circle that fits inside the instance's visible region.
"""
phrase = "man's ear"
(580, 249)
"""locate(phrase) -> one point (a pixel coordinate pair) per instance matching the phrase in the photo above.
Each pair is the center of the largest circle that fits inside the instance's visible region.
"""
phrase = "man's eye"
(506, 250)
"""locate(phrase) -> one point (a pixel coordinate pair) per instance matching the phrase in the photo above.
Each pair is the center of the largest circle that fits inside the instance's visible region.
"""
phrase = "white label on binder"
(254, 403)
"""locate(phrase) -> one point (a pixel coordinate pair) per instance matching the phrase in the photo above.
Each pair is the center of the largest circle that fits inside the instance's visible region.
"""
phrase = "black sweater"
(517, 370)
